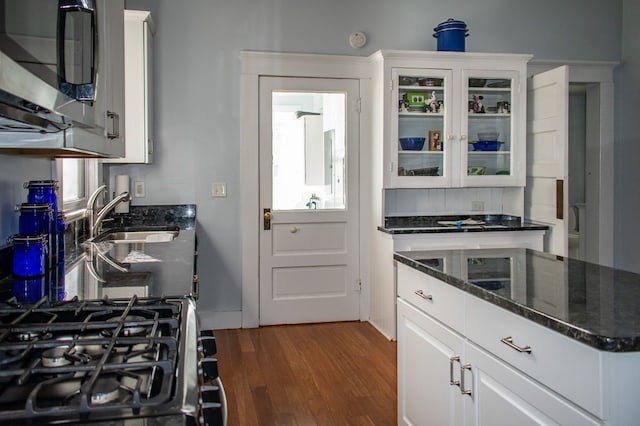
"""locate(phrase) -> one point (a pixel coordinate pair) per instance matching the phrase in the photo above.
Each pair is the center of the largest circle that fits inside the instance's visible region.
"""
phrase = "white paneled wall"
(406, 202)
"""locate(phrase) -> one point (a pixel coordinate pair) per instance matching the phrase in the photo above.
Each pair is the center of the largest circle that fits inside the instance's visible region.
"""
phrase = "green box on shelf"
(417, 99)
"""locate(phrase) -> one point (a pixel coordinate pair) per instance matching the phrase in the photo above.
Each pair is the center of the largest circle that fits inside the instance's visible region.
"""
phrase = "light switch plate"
(138, 189)
(218, 189)
(477, 206)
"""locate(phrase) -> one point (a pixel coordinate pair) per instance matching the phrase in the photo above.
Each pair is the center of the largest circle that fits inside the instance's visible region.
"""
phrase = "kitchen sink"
(129, 236)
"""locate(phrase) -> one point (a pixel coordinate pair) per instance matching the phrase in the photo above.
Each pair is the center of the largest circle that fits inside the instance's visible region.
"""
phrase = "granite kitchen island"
(536, 336)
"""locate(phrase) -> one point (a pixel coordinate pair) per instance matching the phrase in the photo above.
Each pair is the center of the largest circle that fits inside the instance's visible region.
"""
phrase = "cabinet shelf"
(489, 152)
(489, 89)
(420, 152)
(489, 115)
(421, 88)
(420, 114)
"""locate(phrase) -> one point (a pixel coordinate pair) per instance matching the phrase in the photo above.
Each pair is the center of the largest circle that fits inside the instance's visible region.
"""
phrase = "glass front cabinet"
(454, 119)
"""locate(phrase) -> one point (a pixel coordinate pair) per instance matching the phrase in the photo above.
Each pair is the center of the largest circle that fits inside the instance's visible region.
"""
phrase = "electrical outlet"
(218, 189)
(138, 190)
(477, 206)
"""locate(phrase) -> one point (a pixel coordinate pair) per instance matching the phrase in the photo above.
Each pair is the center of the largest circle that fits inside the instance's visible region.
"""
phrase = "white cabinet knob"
(293, 229)
(463, 137)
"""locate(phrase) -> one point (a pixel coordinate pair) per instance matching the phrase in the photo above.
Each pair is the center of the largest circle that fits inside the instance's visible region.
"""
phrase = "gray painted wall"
(627, 143)
(197, 86)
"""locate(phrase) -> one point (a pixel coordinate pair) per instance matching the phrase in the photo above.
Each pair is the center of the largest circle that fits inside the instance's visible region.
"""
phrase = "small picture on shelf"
(435, 140)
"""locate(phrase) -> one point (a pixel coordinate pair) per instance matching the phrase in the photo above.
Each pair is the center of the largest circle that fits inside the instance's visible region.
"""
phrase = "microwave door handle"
(84, 91)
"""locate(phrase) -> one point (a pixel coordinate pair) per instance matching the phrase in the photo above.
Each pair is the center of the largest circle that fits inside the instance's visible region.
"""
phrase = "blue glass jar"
(29, 255)
(35, 218)
(38, 219)
(43, 191)
(60, 237)
(29, 290)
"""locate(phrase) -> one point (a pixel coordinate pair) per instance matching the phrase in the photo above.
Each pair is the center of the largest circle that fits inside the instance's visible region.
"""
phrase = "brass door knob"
(266, 216)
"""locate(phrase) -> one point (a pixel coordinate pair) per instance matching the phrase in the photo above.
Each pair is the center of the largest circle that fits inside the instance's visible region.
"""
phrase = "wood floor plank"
(308, 374)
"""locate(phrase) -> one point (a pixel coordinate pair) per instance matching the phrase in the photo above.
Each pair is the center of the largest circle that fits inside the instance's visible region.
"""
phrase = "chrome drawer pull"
(424, 296)
(451, 361)
(464, 391)
(509, 342)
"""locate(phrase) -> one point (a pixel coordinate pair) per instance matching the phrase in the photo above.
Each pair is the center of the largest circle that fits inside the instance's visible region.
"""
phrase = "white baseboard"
(218, 320)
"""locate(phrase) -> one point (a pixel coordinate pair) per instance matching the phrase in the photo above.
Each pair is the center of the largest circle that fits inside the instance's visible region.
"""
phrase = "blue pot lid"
(451, 24)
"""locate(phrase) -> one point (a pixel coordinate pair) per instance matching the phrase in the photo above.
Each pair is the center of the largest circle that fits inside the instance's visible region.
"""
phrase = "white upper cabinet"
(110, 107)
(451, 101)
(138, 129)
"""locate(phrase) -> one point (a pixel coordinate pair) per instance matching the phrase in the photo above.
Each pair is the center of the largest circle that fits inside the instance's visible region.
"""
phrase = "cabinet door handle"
(453, 359)
(464, 391)
(424, 296)
(115, 120)
(509, 342)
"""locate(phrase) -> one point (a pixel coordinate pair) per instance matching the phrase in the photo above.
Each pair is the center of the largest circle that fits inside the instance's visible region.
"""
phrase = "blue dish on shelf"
(486, 145)
(412, 144)
(489, 285)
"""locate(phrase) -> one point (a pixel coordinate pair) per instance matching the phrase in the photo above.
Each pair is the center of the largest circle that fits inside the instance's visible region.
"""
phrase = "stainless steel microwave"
(50, 74)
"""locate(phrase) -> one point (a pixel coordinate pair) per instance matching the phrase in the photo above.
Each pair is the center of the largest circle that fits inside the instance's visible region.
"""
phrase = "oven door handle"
(223, 400)
(85, 90)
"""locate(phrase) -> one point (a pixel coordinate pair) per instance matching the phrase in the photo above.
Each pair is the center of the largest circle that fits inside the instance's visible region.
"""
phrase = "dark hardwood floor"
(308, 374)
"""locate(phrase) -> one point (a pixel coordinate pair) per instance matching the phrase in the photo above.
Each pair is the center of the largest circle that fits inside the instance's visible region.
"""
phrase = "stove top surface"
(83, 361)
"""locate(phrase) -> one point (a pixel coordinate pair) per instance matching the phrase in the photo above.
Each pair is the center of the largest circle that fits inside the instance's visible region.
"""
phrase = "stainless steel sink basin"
(141, 236)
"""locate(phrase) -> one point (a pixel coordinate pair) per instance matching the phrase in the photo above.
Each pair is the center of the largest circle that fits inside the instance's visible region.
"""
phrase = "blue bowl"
(412, 144)
(486, 145)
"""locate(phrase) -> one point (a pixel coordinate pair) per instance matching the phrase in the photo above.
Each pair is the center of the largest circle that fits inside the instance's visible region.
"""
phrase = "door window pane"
(308, 148)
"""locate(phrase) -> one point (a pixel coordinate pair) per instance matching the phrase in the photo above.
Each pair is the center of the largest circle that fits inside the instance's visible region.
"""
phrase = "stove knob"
(211, 414)
(209, 394)
(207, 345)
(208, 368)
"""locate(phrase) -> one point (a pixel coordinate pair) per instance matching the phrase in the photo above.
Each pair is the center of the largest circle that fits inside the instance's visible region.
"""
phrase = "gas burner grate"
(79, 360)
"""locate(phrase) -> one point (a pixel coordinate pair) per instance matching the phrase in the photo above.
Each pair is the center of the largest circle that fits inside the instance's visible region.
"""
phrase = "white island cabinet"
(465, 361)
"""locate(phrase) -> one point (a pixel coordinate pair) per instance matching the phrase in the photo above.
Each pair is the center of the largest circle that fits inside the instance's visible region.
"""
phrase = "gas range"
(107, 361)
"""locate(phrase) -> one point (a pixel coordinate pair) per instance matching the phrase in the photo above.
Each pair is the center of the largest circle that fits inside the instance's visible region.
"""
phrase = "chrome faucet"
(95, 220)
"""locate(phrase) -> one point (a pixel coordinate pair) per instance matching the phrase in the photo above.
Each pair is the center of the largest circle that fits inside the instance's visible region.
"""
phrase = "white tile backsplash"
(416, 202)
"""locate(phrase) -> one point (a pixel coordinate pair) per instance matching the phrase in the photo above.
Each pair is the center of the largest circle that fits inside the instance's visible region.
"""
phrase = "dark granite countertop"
(123, 269)
(593, 304)
(456, 223)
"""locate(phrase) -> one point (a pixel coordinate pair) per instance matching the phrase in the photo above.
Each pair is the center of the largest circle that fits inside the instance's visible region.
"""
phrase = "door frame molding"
(255, 65)
(600, 156)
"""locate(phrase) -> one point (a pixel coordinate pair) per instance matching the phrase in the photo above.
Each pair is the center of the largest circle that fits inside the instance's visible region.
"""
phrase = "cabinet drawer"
(571, 368)
(432, 296)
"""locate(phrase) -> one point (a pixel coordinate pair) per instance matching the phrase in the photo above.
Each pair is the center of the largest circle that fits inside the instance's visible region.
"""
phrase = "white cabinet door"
(504, 396)
(138, 65)
(428, 363)
(110, 109)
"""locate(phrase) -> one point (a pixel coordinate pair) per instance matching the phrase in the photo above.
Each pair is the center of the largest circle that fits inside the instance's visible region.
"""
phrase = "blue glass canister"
(37, 219)
(29, 255)
(43, 191)
(29, 290)
(60, 231)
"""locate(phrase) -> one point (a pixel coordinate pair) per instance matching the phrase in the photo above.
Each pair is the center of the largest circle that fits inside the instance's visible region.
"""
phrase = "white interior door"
(546, 193)
(309, 130)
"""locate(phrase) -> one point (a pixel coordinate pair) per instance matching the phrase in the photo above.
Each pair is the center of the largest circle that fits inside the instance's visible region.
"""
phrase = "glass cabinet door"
(419, 128)
(490, 145)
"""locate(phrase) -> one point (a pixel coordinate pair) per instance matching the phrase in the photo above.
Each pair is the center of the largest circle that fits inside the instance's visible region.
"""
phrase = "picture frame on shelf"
(435, 140)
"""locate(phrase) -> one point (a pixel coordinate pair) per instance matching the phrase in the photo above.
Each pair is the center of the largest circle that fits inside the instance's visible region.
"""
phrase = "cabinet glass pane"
(490, 273)
(421, 115)
(489, 126)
